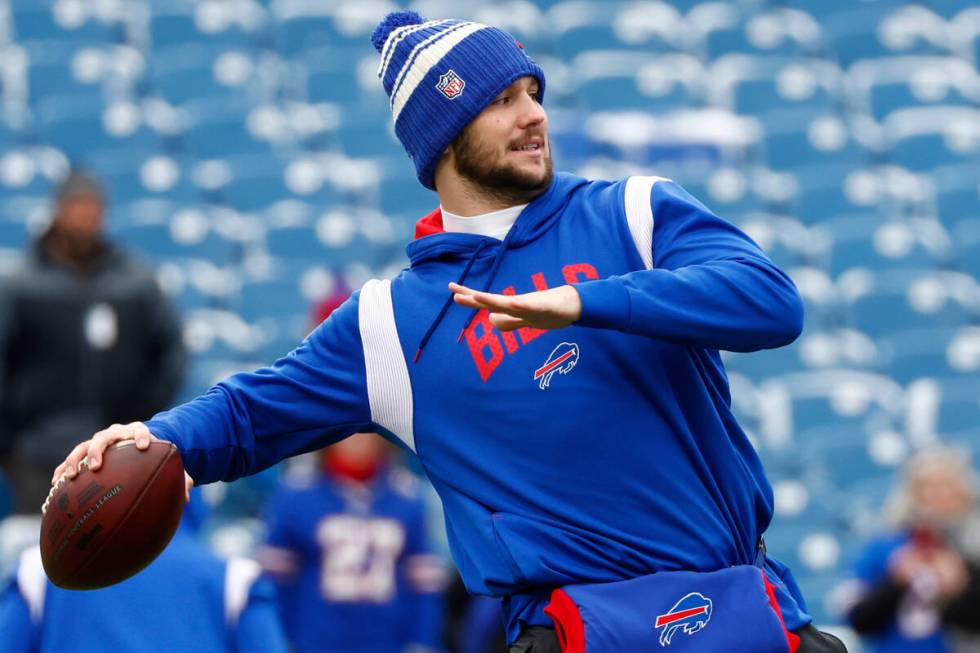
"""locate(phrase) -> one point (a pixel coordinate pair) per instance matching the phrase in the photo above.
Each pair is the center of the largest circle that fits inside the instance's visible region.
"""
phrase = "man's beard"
(504, 183)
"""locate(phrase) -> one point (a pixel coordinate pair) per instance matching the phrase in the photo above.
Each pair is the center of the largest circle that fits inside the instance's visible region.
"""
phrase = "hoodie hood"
(432, 241)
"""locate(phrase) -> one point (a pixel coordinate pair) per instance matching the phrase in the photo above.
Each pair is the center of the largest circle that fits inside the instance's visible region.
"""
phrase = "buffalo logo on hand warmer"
(692, 613)
(562, 360)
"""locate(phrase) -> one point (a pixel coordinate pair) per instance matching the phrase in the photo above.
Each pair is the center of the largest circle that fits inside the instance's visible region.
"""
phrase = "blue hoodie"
(599, 452)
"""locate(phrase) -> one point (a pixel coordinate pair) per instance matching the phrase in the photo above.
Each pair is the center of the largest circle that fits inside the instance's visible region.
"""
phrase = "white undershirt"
(495, 224)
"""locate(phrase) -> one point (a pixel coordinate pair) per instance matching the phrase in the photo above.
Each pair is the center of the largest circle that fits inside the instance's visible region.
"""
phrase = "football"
(102, 527)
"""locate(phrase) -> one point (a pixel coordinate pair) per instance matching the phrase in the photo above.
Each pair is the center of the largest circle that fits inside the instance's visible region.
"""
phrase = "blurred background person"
(348, 547)
(920, 584)
(86, 338)
(186, 600)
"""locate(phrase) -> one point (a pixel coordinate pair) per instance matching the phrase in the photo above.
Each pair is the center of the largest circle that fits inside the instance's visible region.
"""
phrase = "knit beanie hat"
(439, 75)
(78, 184)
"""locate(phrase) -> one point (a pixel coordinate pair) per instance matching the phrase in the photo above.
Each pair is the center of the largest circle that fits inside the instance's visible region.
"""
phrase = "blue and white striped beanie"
(439, 75)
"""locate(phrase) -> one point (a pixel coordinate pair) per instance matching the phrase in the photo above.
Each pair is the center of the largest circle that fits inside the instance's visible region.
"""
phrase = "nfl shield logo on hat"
(451, 85)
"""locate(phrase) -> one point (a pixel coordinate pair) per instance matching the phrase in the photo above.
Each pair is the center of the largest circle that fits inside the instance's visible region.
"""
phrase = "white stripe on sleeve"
(639, 215)
(388, 384)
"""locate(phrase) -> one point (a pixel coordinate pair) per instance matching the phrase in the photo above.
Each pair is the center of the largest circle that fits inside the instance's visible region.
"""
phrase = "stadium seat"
(220, 334)
(301, 26)
(29, 213)
(44, 19)
(758, 85)
(966, 235)
(30, 171)
(924, 138)
(777, 31)
(840, 398)
(218, 128)
(845, 455)
(367, 131)
(880, 87)
(238, 23)
(907, 298)
(652, 26)
(256, 181)
(135, 173)
(823, 192)
(619, 79)
(582, 25)
(180, 73)
(867, 241)
(796, 138)
(957, 195)
(959, 406)
(404, 196)
(916, 29)
(13, 235)
(911, 354)
(851, 34)
(158, 242)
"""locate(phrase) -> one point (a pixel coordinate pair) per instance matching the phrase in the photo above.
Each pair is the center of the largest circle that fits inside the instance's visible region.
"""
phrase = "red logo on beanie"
(451, 85)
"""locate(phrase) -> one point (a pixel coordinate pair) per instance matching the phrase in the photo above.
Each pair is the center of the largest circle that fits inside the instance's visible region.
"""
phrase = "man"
(349, 551)
(186, 600)
(575, 422)
(86, 338)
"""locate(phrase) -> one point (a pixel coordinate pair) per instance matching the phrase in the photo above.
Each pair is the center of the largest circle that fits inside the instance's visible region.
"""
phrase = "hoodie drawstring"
(497, 260)
(449, 301)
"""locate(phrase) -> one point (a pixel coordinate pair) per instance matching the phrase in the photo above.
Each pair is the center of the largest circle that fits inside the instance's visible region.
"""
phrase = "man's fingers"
(467, 300)
(512, 304)
(188, 484)
(70, 466)
(142, 435)
(506, 322)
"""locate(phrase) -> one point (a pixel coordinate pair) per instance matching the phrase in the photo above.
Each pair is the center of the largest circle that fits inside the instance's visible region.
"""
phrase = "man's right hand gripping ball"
(89, 453)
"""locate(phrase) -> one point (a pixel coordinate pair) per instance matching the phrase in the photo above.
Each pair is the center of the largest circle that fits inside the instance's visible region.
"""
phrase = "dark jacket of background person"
(86, 339)
(919, 586)
(186, 601)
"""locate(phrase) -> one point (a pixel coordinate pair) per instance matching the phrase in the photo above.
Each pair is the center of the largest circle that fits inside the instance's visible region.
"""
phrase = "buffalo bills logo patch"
(692, 613)
(562, 360)
(451, 85)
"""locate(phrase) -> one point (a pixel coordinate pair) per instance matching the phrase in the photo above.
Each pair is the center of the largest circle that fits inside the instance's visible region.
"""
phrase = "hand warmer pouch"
(733, 610)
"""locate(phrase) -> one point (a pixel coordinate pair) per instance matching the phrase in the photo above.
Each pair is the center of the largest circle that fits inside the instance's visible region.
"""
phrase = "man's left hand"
(554, 308)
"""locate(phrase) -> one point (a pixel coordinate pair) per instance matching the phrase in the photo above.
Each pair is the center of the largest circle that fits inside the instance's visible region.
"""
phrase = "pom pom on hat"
(390, 23)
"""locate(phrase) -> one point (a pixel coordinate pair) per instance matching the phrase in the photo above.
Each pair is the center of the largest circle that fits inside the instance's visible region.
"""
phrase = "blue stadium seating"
(38, 20)
(957, 193)
(13, 235)
(857, 165)
(822, 191)
(796, 138)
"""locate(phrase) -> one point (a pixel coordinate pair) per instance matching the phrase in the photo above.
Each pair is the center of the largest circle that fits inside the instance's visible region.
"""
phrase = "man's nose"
(532, 113)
